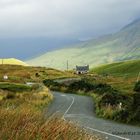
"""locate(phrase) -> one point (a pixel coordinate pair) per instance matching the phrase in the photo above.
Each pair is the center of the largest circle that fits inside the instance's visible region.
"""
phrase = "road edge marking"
(96, 130)
(103, 132)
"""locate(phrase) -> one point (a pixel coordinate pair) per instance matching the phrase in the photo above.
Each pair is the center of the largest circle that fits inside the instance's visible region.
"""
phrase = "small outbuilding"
(82, 69)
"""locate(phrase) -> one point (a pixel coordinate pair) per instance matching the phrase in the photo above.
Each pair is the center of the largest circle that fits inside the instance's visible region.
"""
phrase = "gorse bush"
(53, 85)
(82, 85)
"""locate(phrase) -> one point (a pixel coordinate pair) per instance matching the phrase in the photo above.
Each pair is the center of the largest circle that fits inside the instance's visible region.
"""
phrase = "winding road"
(80, 110)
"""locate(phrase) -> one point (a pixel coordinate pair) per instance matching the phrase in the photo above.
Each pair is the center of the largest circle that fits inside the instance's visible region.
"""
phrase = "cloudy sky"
(60, 20)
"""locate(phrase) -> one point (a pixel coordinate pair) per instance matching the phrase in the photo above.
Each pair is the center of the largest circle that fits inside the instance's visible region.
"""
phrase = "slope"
(123, 45)
(129, 68)
(12, 61)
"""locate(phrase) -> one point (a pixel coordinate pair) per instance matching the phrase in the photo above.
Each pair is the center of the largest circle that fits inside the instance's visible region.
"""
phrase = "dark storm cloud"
(65, 18)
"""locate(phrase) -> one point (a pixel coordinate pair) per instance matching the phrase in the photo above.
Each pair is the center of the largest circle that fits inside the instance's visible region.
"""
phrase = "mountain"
(12, 61)
(129, 68)
(123, 45)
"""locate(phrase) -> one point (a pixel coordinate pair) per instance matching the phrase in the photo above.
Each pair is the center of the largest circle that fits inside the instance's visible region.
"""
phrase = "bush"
(15, 87)
(81, 85)
(137, 114)
(86, 86)
(103, 88)
(51, 83)
(136, 97)
(137, 87)
(10, 95)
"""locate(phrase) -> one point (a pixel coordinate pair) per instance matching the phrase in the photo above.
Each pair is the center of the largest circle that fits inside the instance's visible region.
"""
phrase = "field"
(23, 74)
(122, 75)
(120, 69)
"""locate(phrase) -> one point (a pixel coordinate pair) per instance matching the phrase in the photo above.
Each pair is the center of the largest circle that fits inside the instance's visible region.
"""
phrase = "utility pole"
(67, 65)
(138, 77)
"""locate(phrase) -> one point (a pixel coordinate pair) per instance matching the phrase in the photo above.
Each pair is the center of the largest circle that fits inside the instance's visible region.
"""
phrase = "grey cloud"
(53, 18)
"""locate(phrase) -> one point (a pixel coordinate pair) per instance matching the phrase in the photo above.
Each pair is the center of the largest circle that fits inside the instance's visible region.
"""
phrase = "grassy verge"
(22, 116)
(29, 125)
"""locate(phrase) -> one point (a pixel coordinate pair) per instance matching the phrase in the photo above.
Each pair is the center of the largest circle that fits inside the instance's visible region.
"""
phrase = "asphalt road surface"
(80, 110)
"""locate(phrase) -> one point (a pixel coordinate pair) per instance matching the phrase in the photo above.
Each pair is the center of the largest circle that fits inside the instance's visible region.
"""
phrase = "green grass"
(14, 87)
(121, 75)
(126, 68)
(23, 74)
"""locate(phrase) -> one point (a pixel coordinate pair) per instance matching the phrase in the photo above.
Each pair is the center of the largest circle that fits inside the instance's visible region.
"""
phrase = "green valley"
(123, 45)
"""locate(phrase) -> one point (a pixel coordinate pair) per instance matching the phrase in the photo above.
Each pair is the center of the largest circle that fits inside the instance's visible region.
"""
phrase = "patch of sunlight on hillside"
(12, 61)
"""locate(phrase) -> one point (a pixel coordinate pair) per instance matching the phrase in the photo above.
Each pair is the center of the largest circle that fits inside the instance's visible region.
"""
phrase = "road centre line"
(96, 130)
(69, 107)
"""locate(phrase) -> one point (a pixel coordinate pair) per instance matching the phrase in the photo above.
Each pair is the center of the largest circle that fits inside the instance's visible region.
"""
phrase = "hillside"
(126, 68)
(23, 74)
(123, 45)
(12, 61)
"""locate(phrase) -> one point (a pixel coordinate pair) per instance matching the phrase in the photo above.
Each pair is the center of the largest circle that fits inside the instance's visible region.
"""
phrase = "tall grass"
(22, 118)
(30, 125)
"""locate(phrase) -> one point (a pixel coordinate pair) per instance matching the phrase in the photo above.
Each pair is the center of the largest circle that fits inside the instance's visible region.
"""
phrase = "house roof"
(82, 68)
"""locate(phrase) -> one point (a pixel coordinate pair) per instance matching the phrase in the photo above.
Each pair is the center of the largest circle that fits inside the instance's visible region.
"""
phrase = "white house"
(82, 69)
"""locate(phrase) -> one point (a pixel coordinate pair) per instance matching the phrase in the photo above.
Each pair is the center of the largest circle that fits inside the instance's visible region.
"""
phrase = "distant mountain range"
(123, 45)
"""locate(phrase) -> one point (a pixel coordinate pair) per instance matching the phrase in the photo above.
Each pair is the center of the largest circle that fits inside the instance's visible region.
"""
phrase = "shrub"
(137, 87)
(15, 87)
(50, 83)
(136, 97)
(81, 85)
(101, 88)
(87, 86)
(10, 95)
(137, 115)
